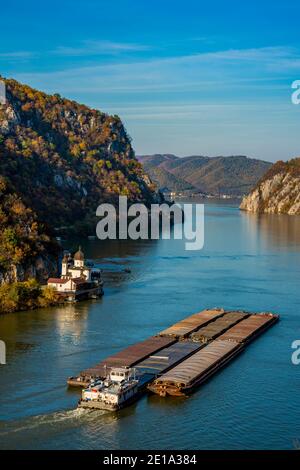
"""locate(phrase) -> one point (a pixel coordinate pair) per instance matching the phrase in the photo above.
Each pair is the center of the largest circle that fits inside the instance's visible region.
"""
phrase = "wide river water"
(248, 262)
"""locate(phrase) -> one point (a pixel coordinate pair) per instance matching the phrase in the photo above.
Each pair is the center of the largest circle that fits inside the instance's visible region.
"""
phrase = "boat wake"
(59, 417)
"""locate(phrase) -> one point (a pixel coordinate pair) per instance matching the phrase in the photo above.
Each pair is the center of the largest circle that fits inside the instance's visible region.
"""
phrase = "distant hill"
(157, 159)
(278, 191)
(154, 166)
(232, 175)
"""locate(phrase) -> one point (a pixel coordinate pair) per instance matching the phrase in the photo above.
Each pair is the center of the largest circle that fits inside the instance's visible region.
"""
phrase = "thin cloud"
(91, 48)
(226, 68)
(266, 55)
(201, 111)
(16, 55)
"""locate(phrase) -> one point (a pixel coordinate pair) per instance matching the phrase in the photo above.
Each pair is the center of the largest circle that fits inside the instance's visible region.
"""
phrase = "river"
(248, 262)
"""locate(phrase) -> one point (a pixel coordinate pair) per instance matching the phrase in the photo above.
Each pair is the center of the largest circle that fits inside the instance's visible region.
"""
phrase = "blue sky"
(186, 77)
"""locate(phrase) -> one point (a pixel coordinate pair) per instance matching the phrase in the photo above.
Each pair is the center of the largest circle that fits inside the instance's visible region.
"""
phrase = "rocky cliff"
(58, 161)
(278, 192)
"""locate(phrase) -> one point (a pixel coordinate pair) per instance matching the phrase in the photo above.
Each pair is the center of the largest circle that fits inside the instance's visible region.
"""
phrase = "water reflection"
(279, 231)
(71, 319)
(97, 250)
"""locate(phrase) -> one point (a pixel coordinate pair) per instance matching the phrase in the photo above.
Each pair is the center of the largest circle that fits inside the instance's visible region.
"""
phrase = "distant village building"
(77, 279)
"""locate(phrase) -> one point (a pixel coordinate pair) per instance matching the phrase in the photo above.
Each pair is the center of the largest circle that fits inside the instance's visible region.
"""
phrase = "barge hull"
(158, 356)
(182, 392)
(94, 405)
(190, 373)
(97, 405)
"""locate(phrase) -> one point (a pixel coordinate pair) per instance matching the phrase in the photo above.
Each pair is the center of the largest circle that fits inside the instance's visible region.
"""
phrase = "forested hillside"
(232, 175)
(58, 161)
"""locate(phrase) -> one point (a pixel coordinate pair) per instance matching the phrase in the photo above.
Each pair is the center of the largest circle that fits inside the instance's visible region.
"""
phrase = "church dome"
(79, 256)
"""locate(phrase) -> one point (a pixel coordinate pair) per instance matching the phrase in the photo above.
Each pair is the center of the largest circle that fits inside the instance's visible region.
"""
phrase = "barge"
(136, 353)
(128, 357)
(218, 326)
(168, 357)
(185, 327)
(250, 328)
(195, 370)
(190, 373)
(174, 362)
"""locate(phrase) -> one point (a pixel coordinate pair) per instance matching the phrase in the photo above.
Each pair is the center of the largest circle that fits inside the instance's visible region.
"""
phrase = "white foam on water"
(51, 419)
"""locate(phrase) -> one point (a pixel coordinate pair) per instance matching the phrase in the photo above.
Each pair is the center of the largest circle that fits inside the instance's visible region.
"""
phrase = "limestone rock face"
(277, 193)
(41, 268)
(9, 120)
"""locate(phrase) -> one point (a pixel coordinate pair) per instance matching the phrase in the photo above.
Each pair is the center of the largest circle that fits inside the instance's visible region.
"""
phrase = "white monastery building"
(76, 276)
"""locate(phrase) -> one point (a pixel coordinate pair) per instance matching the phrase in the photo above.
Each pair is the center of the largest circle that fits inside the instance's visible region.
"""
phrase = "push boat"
(118, 389)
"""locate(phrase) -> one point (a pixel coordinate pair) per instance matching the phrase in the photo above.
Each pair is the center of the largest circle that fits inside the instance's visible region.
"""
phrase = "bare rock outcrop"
(278, 192)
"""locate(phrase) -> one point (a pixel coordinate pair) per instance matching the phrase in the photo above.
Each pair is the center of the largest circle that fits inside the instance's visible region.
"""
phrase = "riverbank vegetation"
(26, 295)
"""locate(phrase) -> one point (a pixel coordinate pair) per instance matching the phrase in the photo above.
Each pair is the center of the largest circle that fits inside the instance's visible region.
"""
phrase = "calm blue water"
(248, 262)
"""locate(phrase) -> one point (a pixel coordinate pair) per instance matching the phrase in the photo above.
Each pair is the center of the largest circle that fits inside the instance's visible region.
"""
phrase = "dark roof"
(57, 280)
(79, 280)
(79, 255)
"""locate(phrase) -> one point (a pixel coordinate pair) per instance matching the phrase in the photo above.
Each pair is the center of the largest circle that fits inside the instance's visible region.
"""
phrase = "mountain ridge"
(233, 175)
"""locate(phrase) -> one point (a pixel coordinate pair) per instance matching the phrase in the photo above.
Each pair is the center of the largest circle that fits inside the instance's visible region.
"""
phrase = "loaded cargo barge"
(136, 353)
(128, 357)
(192, 372)
(174, 361)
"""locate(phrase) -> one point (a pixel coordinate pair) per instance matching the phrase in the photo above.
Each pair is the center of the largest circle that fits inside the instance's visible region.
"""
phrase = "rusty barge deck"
(193, 371)
(136, 353)
(183, 356)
